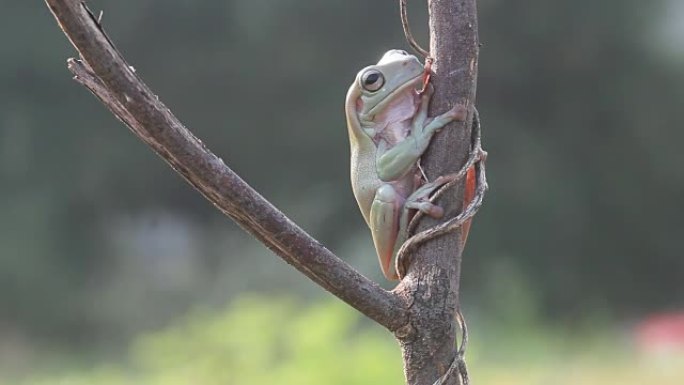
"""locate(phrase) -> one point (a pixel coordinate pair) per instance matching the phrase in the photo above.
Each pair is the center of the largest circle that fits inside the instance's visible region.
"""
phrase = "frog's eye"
(372, 80)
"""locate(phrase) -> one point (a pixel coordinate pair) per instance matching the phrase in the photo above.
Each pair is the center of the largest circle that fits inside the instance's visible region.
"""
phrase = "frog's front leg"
(396, 161)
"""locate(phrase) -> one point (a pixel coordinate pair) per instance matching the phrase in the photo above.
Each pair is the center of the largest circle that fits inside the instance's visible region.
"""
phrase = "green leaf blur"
(256, 341)
(263, 341)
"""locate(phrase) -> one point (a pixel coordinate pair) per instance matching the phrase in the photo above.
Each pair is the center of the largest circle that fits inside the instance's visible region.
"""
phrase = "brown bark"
(432, 282)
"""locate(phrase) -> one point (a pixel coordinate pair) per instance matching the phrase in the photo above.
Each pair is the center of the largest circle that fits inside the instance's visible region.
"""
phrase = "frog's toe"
(427, 208)
(458, 113)
(435, 211)
(427, 92)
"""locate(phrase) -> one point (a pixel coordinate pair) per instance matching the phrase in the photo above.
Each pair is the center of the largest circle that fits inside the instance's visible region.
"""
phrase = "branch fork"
(103, 71)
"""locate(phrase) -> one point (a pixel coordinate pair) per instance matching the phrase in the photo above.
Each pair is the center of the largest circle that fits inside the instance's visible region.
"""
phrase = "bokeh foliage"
(261, 340)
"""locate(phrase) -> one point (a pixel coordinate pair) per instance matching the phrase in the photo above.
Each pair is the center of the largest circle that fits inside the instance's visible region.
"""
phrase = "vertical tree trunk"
(432, 282)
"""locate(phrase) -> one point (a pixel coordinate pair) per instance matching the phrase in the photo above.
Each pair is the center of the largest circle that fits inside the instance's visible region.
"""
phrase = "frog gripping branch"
(390, 133)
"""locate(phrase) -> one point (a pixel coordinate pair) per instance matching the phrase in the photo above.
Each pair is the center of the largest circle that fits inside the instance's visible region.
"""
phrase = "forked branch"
(104, 71)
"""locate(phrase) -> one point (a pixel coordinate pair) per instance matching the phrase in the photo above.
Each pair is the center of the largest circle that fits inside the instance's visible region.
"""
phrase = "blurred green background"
(114, 271)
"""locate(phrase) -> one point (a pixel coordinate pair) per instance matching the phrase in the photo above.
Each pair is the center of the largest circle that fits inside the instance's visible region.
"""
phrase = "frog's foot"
(422, 127)
(457, 113)
(419, 199)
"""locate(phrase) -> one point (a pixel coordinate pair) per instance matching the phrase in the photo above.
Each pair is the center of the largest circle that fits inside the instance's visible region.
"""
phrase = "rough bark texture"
(432, 282)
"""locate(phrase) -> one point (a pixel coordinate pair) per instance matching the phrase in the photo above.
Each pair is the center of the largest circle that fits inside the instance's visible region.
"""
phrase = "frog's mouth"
(412, 82)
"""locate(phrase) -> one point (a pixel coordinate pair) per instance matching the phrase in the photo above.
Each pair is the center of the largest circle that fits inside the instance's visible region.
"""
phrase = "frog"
(389, 131)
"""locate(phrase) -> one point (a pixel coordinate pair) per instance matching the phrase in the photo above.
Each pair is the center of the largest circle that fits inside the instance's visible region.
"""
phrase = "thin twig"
(458, 363)
(107, 75)
(407, 31)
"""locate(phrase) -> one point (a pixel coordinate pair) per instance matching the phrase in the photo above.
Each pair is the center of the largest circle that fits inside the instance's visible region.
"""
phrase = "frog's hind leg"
(418, 200)
(384, 224)
(390, 215)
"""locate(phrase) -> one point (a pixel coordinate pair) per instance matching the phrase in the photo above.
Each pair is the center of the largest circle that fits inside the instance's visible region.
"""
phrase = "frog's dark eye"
(372, 80)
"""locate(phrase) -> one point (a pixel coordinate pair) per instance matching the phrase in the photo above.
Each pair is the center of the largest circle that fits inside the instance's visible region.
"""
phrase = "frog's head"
(379, 86)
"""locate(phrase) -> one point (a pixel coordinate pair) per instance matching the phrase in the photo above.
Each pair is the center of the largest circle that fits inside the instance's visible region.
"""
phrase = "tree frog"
(389, 130)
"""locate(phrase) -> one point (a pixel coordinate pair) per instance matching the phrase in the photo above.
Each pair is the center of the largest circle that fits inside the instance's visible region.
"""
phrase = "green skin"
(389, 131)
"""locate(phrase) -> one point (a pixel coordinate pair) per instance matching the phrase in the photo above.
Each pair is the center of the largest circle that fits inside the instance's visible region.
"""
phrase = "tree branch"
(432, 281)
(104, 71)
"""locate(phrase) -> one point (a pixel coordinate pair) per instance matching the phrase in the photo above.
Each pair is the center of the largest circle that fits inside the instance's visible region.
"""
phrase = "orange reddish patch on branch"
(468, 196)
